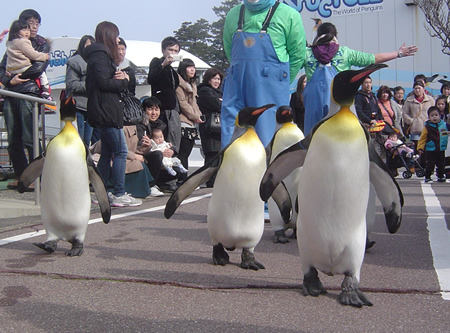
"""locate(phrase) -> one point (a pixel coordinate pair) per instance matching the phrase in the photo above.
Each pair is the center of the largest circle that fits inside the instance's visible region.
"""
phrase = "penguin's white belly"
(236, 211)
(65, 199)
(333, 196)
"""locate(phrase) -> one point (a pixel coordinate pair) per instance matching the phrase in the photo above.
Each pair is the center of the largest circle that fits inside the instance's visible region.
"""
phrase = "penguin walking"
(66, 168)
(235, 215)
(287, 134)
(333, 192)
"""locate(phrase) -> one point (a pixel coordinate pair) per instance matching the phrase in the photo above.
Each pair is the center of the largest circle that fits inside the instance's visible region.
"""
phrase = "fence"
(37, 127)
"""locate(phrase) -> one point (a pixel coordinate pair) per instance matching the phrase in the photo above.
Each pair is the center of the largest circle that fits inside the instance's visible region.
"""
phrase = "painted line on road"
(27, 235)
(439, 237)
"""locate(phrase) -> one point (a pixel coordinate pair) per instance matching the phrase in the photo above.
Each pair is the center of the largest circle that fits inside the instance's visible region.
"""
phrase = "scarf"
(258, 6)
(324, 53)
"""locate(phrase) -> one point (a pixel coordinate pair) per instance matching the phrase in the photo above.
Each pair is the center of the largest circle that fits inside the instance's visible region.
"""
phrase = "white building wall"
(384, 29)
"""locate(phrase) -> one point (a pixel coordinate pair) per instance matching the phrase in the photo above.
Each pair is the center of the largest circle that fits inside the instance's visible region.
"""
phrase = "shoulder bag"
(213, 124)
(132, 108)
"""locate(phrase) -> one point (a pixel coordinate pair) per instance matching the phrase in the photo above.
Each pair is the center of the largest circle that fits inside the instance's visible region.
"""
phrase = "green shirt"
(343, 60)
(285, 30)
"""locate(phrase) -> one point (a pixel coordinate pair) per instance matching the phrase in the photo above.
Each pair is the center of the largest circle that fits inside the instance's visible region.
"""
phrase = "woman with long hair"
(189, 110)
(104, 82)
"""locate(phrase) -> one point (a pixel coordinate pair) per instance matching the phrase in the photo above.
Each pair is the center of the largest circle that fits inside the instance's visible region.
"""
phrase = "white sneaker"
(126, 200)
(94, 198)
(156, 192)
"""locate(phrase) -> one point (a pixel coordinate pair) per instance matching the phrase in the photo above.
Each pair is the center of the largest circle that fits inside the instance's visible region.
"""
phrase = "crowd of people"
(150, 157)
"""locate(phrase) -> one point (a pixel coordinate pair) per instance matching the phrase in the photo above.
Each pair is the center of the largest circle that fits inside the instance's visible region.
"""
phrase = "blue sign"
(328, 8)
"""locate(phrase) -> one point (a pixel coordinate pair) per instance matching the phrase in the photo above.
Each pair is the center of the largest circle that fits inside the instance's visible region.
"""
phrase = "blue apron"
(317, 94)
(256, 77)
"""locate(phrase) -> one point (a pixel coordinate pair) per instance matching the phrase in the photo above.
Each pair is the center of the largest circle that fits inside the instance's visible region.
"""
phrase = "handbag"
(213, 124)
(132, 108)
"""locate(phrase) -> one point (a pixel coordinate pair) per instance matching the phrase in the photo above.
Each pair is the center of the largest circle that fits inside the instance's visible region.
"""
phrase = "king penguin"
(286, 135)
(66, 168)
(235, 217)
(333, 193)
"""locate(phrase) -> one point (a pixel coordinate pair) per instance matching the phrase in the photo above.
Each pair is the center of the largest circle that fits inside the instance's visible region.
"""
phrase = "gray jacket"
(76, 81)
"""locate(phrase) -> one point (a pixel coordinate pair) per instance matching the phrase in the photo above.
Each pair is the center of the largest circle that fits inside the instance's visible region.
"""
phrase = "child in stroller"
(398, 155)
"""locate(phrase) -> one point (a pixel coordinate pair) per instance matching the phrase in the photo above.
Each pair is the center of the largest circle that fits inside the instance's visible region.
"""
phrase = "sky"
(147, 20)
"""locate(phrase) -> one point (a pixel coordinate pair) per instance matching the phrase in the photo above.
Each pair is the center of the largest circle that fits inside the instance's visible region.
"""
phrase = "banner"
(336, 8)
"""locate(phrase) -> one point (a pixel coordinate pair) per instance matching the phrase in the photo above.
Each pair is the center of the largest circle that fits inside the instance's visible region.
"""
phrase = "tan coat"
(415, 113)
(187, 98)
(20, 53)
(133, 165)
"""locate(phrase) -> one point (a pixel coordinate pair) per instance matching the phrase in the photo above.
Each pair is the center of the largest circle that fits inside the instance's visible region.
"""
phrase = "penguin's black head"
(248, 116)
(346, 84)
(284, 114)
(68, 109)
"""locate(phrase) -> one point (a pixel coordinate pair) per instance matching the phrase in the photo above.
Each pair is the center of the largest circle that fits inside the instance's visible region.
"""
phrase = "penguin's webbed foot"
(49, 246)
(369, 243)
(280, 237)
(249, 261)
(312, 284)
(351, 294)
(76, 250)
(220, 256)
(294, 234)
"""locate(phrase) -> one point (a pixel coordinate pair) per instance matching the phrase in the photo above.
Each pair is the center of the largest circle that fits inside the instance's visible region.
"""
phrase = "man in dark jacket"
(164, 81)
(18, 113)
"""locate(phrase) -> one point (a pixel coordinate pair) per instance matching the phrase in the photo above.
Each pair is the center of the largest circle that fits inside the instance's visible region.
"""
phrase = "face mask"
(257, 6)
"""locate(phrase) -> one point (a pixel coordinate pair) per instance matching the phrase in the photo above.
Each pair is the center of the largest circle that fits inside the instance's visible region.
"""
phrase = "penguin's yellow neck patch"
(343, 126)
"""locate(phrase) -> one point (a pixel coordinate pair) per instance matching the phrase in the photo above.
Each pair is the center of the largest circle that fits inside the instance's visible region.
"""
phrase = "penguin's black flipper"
(388, 190)
(191, 183)
(33, 170)
(280, 168)
(283, 200)
(99, 188)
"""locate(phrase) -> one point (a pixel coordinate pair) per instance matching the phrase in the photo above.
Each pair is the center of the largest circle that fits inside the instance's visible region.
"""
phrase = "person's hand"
(420, 151)
(168, 153)
(3, 34)
(17, 80)
(121, 75)
(48, 56)
(199, 121)
(145, 141)
(140, 158)
(406, 51)
(167, 61)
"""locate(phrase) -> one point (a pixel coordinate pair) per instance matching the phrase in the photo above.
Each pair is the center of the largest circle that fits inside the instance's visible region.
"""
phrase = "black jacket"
(366, 106)
(209, 100)
(37, 68)
(163, 83)
(104, 107)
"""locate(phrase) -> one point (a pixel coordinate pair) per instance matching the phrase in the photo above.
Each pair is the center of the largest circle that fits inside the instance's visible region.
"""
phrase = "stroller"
(396, 159)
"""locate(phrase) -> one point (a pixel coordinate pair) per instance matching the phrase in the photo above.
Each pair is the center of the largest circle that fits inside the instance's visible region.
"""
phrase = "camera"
(177, 57)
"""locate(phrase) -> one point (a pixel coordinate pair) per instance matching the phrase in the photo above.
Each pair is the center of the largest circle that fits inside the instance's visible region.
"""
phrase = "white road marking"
(27, 235)
(439, 237)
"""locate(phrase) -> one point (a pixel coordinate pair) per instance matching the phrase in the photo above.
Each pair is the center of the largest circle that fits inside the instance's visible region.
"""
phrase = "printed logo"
(249, 42)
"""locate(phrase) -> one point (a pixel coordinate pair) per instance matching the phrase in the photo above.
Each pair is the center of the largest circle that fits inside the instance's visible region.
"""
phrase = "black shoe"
(168, 188)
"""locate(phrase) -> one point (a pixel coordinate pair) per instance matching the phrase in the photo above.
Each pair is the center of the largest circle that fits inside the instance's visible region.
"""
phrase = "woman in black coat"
(209, 101)
(104, 82)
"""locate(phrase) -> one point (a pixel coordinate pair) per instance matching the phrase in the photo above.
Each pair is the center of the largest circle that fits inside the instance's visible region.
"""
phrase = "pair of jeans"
(18, 114)
(114, 149)
(84, 129)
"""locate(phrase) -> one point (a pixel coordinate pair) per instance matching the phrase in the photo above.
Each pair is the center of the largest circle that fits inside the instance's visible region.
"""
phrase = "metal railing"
(38, 104)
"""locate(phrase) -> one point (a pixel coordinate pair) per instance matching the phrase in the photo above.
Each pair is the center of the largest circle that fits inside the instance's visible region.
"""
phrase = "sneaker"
(13, 185)
(182, 169)
(156, 192)
(126, 200)
(442, 180)
(94, 199)
(428, 181)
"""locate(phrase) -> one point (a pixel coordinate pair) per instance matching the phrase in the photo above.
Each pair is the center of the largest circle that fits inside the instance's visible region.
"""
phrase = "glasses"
(34, 24)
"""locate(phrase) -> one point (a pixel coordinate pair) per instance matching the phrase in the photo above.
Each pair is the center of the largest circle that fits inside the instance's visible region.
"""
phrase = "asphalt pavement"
(143, 273)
